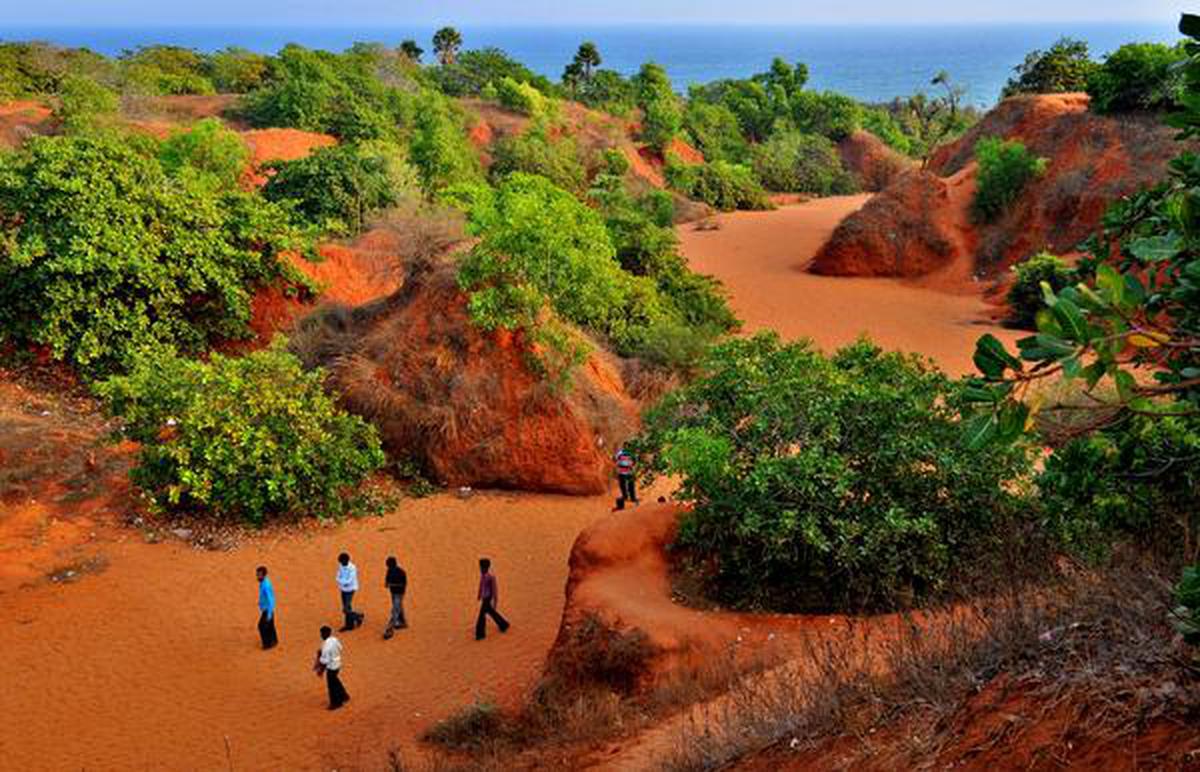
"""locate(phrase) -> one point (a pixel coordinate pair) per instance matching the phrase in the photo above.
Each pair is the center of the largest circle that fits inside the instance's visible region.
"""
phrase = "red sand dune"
(761, 257)
(870, 160)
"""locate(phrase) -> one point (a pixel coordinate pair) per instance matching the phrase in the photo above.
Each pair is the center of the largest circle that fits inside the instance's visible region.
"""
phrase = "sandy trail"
(760, 256)
(152, 663)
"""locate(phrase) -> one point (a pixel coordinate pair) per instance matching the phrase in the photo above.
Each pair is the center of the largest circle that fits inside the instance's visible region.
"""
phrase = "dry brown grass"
(1100, 645)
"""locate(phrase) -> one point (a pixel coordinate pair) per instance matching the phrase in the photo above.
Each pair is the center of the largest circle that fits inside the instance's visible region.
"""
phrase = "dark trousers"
(486, 609)
(353, 618)
(398, 620)
(628, 487)
(266, 630)
(338, 695)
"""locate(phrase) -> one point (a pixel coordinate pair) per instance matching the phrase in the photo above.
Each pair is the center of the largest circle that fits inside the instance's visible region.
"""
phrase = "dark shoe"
(505, 628)
(388, 633)
(345, 628)
(336, 707)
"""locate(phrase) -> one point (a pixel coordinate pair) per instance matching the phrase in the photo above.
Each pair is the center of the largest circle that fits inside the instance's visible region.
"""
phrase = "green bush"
(883, 124)
(535, 152)
(83, 103)
(827, 482)
(235, 70)
(1005, 168)
(722, 185)
(439, 147)
(829, 114)
(165, 70)
(521, 97)
(792, 162)
(662, 115)
(1064, 67)
(102, 252)
(1187, 615)
(609, 91)
(336, 188)
(472, 71)
(715, 131)
(1025, 296)
(1135, 481)
(207, 149)
(250, 438)
(1137, 76)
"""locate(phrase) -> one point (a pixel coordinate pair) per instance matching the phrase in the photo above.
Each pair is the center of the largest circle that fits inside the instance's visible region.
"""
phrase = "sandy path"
(154, 662)
(760, 257)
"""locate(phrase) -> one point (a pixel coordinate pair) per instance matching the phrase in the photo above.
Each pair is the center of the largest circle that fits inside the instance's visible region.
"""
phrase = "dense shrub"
(1135, 481)
(535, 152)
(163, 69)
(662, 115)
(335, 187)
(439, 147)
(1064, 67)
(715, 131)
(248, 438)
(207, 149)
(101, 251)
(28, 69)
(759, 103)
(236, 70)
(827, 482)
(83, 103)
(883, 124)
(1137, 76)
(801, 163)
(472, 71)
(1005, 168)
(1025, 296)
(1187, 614)
(827, 113)
(521, 97)
(609, 91)
(722, 185)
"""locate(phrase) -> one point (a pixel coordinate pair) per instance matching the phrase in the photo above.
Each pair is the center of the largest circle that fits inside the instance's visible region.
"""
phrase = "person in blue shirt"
(266, 608)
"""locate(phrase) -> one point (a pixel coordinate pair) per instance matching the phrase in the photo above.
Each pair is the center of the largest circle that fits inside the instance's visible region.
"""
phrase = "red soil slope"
(22, 119)
(871, 161)
(465, 403)
(918, 225)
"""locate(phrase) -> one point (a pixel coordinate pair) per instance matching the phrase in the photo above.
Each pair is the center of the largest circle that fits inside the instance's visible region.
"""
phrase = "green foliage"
(722, 185)
(793, 162)
(32, 69)
(759, 103)
(521, 97)
(102, 252)
(235, 70)
(439, 147)
(208, 149)
(336, 188)
(1134, 481)
(662, 115)
(1025, 298)
(829, 114)
(1187, 615)
(163, 69)
(1005, 168)
(251, 438)
(83, 104)
(1137, 76)
(338, 94)
(883, 124)
(471, 72)
(535, 152)
(827, 482)
(446, 42)
(609, 91)
(1065, 67)
(715, 131)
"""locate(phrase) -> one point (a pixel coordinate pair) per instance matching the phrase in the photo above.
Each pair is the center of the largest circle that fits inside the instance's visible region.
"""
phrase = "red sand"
(153, 663)
(761, 257)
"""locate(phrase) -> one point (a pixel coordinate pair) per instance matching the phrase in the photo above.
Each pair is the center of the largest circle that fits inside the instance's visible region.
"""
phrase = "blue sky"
(529, 12)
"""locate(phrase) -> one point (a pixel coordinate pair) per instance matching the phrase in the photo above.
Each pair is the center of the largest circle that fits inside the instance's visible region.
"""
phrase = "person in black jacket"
(396, 581)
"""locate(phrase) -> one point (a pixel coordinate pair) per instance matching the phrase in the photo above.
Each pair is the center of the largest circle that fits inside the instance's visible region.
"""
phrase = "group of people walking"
(328, 661)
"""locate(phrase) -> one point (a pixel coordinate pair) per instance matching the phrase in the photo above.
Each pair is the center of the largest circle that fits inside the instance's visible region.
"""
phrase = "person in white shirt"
(329, 662)
(347, 582)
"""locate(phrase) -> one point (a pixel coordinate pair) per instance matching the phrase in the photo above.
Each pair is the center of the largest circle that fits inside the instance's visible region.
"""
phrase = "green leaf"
(1125, 385)
(1069, 316)
(1156, 249)
(1111, 283)
(980, 430)
(1012, 420)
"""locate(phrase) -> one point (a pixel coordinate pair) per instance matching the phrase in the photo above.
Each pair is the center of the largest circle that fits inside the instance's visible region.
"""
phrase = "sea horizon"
(871, 62)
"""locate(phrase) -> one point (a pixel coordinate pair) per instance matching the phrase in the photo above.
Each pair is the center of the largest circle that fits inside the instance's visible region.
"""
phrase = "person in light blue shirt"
(347, 582)
(266, 610)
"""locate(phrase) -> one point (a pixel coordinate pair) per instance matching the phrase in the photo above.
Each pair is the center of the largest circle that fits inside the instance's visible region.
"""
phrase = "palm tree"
(446, 43)
(587, 57)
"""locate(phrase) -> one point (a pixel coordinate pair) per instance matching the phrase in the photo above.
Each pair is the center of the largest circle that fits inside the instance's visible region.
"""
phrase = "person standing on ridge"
(329, 664)
(347, 581)
(396, 580)
(625, 478)
(489, 598)
(266, 608)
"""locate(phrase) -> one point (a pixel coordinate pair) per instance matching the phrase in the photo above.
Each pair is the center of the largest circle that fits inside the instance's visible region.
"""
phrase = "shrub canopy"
(249, 437)
(1025, 297)
(827, 482)
(1005, 168)
(1137, 76)
(1064, 67)
(792, 162)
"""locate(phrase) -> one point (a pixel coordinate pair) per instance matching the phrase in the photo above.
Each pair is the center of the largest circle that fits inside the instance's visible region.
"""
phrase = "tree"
(413, 51)
(1064, 67)
(954, 93)
(588, 58)
(662, 117)
(335, 187)
(446, 43)
(1137, 77)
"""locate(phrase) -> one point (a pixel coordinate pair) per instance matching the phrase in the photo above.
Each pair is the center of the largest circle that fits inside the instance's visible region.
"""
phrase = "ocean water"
(870, 63)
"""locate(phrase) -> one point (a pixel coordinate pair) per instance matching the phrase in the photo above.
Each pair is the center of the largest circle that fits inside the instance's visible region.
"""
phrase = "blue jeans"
(353, 618)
